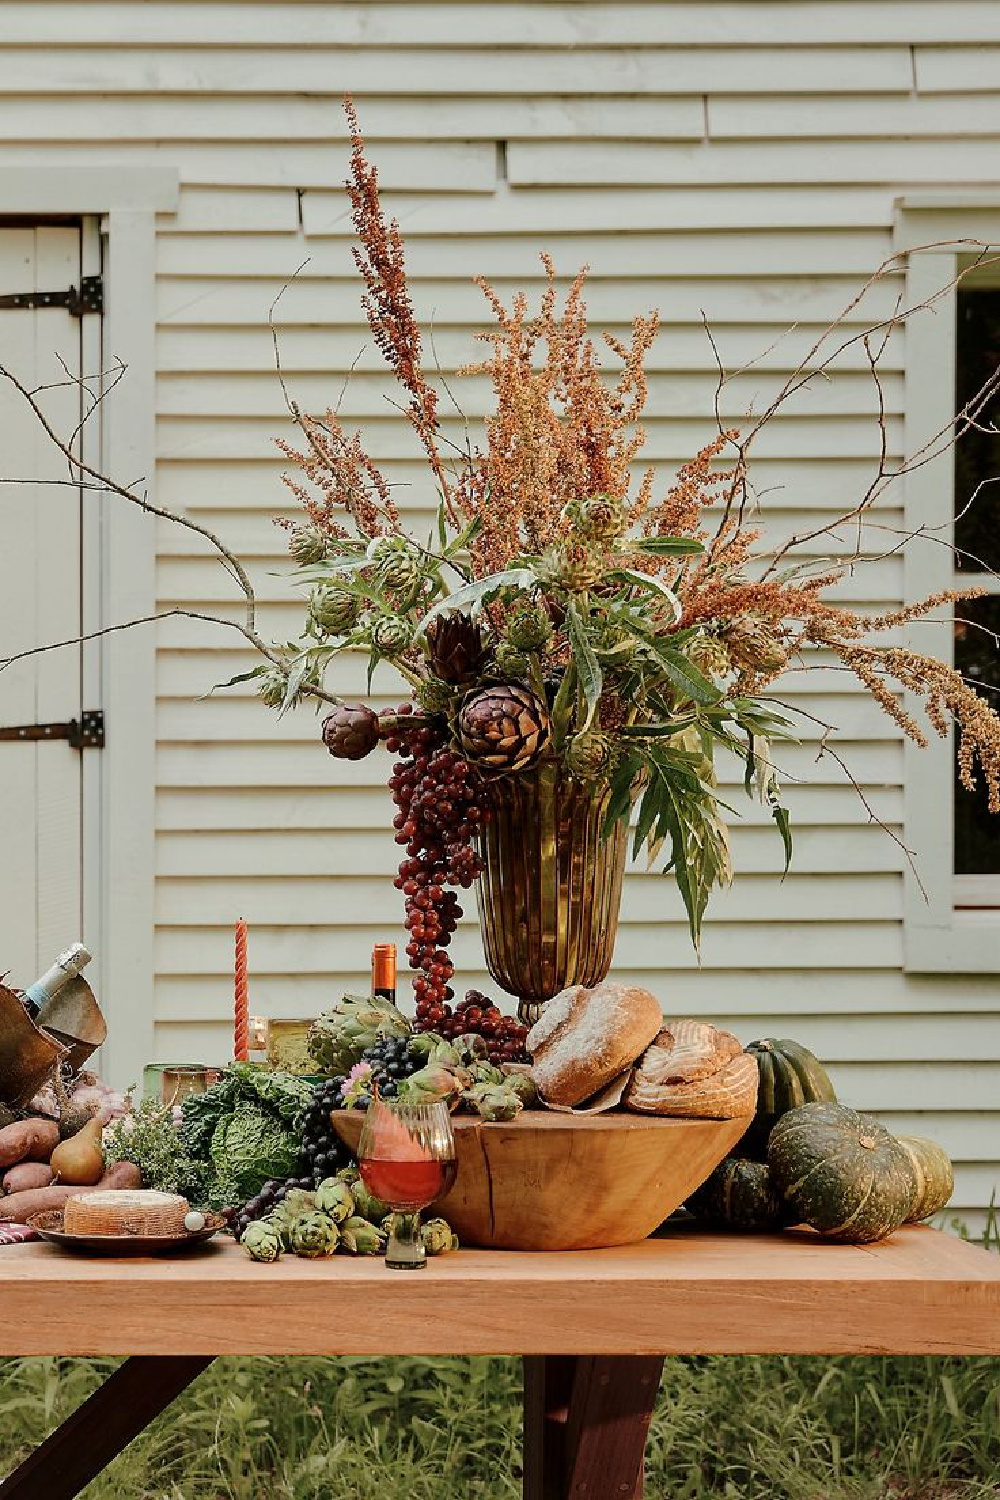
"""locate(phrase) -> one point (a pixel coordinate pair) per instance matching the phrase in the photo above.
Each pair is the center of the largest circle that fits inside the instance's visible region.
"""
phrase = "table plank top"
(686, 1292)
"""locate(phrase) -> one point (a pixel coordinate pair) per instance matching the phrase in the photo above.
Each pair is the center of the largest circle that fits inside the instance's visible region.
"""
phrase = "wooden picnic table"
(593, 1327)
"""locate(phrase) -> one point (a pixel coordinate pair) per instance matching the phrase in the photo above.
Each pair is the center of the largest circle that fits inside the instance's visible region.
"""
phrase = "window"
(977, 545)
(952, 901)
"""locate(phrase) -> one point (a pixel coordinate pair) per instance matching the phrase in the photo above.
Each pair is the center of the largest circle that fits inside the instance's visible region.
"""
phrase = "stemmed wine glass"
(406, 1157)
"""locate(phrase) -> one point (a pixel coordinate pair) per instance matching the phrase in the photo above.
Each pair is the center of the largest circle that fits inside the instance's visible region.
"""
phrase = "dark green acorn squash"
(934, 1173)
(789, 1076)
(739, 1195)
(842, 1172)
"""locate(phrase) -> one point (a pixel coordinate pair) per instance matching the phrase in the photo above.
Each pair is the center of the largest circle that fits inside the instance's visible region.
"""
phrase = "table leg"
(585, 1423)
(137, 1392)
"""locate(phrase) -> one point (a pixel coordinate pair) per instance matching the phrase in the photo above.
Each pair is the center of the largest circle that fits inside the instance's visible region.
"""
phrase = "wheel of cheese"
(120, 1211)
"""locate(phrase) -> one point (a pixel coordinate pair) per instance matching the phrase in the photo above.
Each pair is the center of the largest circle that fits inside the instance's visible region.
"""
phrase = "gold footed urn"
(551, 887)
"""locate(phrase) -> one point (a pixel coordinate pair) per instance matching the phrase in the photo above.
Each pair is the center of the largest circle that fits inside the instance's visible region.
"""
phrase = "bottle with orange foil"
(384, 972)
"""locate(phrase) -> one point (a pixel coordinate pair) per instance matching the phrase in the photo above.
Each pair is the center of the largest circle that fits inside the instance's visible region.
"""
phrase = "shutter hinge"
(89, 298)
(84, 733)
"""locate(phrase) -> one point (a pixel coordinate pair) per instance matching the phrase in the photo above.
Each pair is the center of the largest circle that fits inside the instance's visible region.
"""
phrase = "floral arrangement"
(564, 613)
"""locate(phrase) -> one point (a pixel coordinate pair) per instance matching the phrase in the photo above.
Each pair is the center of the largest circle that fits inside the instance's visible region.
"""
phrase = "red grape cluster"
(504, 1035)
(437, 795)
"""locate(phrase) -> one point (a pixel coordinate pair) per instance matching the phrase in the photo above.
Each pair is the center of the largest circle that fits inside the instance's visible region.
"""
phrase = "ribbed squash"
(739, 1195)
(842, 1172)
(790, 1075)
(934, 1173)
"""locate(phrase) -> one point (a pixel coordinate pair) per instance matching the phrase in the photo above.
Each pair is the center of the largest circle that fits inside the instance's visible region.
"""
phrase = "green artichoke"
(399, 572)
(523, 1084)
(336, 1199)
(434, 1084)
(340, 1036)
(603, 517)
(279, 1223)
(261, 1241)
(588, 755)
(307, 544)
(494, 1102)
(510, 662)
(334, 609)
(315, 1236)
(575, 568)
(367, 1206)
(435, 696)
(487, 1072)
(392, 635)
(469, 1048)
(438, 1237)
(529, 628)
(359, 1237)
(298, 1202)
(272, 686)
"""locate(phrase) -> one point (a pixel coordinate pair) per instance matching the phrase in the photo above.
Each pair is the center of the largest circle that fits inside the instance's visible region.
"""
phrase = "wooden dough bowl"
(550, 1181)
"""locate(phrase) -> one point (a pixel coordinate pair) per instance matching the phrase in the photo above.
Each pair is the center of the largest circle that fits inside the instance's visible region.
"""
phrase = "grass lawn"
(449, 1429)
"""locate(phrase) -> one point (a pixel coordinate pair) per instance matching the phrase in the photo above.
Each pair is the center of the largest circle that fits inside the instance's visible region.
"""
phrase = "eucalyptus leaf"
(233, 681)
(321, 572)
(295, 676)
(682, 673)
(475, 595)
(781, 818)
(589, 674)
(656, 730)
(651, 586)
(667, 546)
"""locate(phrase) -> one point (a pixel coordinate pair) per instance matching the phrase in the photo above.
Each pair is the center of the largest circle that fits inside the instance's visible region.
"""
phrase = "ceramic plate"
(48, 1226)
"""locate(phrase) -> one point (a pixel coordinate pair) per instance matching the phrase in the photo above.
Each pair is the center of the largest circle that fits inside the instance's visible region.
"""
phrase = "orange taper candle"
(241, 1027)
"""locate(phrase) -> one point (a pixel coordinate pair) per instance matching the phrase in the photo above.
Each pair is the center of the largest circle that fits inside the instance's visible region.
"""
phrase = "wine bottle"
(66, 967)
(384, 972)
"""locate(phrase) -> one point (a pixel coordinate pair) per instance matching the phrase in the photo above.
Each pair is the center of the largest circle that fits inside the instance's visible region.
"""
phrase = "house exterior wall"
(741, 159)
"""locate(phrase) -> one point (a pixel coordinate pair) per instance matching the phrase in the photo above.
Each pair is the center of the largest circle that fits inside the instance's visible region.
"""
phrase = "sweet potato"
(28, 1140)
(27, 1175)
(19, 1207)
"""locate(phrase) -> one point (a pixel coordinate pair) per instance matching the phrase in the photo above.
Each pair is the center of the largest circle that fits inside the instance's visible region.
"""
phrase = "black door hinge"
(84, 733)
(89, 298)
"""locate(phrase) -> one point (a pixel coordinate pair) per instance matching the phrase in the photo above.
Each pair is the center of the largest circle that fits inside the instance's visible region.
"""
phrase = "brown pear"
(79, 1162)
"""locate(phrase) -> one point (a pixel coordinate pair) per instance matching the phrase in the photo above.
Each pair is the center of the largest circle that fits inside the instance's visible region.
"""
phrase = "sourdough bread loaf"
(584, 1038)
(693, 1069)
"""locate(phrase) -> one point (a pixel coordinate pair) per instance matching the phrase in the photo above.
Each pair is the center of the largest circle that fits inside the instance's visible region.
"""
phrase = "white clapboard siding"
(727, 162)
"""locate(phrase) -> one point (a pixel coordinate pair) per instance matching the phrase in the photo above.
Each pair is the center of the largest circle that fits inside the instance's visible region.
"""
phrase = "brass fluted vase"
(551, 887)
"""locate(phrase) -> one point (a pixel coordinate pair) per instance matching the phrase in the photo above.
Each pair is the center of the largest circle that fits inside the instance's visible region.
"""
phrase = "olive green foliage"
(150, 1140)
(766, 1428)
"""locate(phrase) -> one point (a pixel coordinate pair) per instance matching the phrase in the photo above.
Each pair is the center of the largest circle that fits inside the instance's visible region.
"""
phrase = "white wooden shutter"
(40, 783)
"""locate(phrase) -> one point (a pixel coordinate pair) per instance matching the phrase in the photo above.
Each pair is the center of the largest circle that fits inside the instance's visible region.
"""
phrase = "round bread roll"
(728, 1094)
(141, 1212)
(585, 1038)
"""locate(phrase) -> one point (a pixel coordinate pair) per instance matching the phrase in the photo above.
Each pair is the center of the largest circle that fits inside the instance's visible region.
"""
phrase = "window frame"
(940, 936)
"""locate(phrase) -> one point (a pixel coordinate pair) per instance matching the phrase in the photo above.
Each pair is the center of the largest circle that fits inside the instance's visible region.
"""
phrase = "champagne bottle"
(384, 972)
(66, 967)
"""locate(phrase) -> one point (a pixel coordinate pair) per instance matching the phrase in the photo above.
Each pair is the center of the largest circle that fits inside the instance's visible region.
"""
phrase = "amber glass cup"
(406, 1157)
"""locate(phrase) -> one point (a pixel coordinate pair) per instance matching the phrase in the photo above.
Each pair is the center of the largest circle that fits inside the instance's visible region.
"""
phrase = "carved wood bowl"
(549, 1181)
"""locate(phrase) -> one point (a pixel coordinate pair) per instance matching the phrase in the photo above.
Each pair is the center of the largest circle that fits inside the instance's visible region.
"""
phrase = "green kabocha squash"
(842, 1172)
(789, 1076)
(739, 1195)
(934, 1173)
